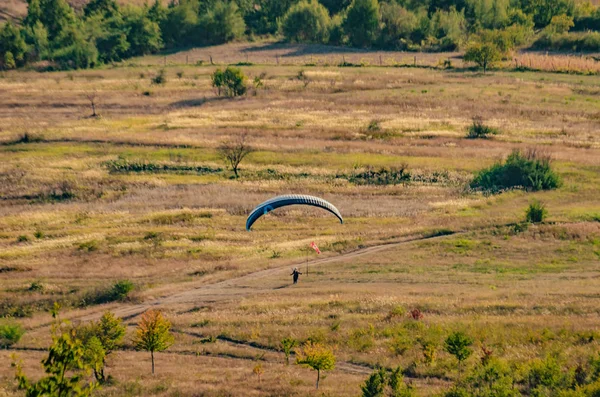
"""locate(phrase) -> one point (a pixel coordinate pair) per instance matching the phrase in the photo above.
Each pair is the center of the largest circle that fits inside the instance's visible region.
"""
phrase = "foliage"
(223, 23)
(160, 78)
(459, 345)
(484, 54)
(306, 22)
(10, 333)
(479, 130)
(536, 212)
(231, 81)
(362, 22)
(65, 367)
(100, 339)
(287, 344)
(153, 333)
(382, 176)
(374, 386)
(316, 356)
(529, 170)
(12, 47)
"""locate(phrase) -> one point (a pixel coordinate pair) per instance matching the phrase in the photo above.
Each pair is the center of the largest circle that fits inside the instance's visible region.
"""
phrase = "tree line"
(60, 37)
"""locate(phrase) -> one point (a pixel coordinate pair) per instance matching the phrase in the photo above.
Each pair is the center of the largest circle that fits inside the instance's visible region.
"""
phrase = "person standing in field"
(296, 274)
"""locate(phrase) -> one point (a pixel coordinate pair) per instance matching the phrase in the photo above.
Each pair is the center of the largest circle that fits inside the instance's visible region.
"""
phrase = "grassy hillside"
(141, 194)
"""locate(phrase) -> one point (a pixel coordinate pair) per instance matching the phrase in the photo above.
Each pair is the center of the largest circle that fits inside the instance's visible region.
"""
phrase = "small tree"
(287, 344)
(560, 24)
(536, 212)
(231, 81)
(258, 371)
(92, 96)
(153, 333)
(10, 334)
(484, 54)
(374, 386)
(65, 366)
(458, 344)
(316, 356)
(101, 339)
(234, 151)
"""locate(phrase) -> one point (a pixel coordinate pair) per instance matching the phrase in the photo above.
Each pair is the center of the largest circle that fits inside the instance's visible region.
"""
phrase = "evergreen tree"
(12, 47)
(362, 22)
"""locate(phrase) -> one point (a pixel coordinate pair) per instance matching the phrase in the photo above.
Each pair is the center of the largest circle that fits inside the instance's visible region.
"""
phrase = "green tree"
(306, 21)
(95, 356)
(12, 47)
(56, 16)
(108, 332)
(484, 54)
(362, 22)
(77, 51)
(223, 23)
(65, 367)
(459, 345)
(37, 37)
(153, 334)
(10, 333)
(561, 24)
(179, 24)
(287, 344)
(398, 25)
(316, 356)
(106, 8)
(34, 12)
(231, 81)
(143, 34)
(374, 386)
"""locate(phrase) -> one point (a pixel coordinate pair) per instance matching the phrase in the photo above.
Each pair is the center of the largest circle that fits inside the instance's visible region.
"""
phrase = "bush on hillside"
(230, 82)
(530, 170)
(536, 212)
(307, 22)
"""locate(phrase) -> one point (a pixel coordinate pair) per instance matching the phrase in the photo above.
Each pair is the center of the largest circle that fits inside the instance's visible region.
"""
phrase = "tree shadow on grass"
(197, 102)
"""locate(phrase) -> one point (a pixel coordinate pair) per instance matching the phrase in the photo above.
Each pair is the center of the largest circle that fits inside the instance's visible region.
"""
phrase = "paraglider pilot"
(296, 274)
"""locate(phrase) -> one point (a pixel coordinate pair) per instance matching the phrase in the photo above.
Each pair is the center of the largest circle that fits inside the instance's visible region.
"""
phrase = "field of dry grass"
(72, 223)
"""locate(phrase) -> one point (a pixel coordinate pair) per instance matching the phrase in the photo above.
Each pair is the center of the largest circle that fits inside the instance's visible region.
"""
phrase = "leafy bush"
(10, 334)
(383, 176)
(160, 78)
(117, 292)
(529, 170)
(306, 21)
(581, 41)
(232, 81)
(479, 130)
(459, 345)
(536, 212)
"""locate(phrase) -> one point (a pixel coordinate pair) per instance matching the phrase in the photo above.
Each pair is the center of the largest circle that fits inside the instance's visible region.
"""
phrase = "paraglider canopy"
(292, 199)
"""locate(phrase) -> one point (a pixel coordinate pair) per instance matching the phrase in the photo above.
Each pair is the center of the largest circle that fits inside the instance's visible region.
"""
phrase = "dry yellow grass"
(179, 235)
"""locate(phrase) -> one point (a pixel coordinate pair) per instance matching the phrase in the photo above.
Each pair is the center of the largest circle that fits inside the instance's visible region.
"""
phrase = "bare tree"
(234, 151)
(92, 97)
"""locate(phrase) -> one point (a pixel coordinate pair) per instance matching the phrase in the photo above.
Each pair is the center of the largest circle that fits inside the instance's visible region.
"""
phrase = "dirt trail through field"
(234, 288)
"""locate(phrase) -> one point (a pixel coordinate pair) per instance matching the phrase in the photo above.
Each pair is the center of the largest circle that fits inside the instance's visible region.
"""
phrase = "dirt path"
(234, 288)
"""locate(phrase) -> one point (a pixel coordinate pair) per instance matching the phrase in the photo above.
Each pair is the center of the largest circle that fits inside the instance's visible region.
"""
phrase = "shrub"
(316, 356)
(374, 386)
(160, 78)
(484, 54)
(10, 334)
(232, 81)
(458, 344)
(536, 212)
(530, 170)
(479, 130)
(383, 176)
(306, 21)
(121, 289)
